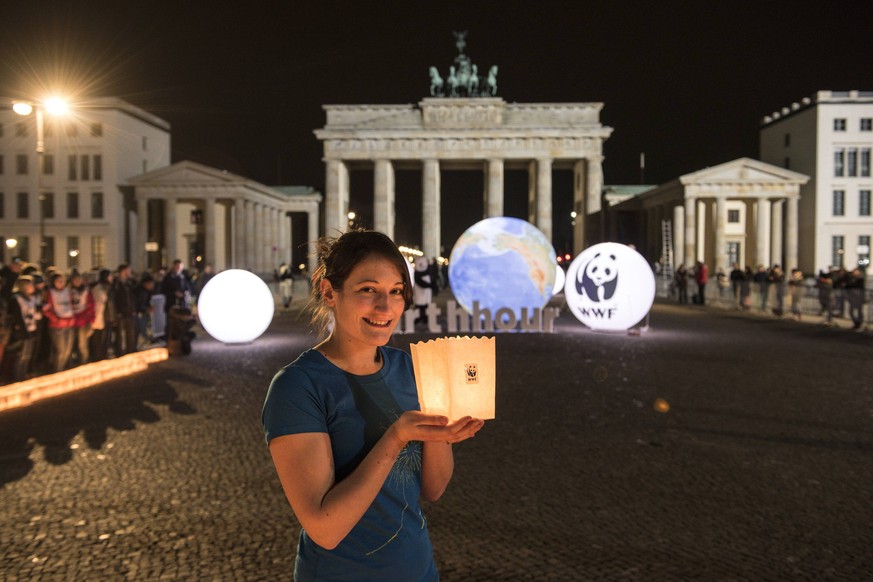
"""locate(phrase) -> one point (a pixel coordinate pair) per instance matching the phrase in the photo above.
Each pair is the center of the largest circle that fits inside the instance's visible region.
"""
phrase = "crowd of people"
(54, 320)
(771, 288)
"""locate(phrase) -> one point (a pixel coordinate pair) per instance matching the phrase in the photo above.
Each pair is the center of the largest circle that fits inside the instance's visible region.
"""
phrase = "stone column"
(311, 236)
(580, 206)
(430, 209)
(690, 254)
(336, 204)
(678, 236)
(239, 234)
(762, 236)
(260, 242)
(791, 234)
(285, 237)
(383, 198)
(776, 234)
(494, 189)
(140, 257)
(210, 242)
(595, 183)
(532, 193)
(250, 236)
(720, 243)
(544, 197)
(170, 229)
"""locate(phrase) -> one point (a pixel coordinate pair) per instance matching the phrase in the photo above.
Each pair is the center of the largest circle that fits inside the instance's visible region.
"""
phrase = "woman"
(83, 311)
(58, 310)
(351, 449)
(25, 325)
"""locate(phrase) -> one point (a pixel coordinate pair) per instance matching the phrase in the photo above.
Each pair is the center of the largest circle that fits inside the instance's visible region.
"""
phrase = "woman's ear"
(327, 293)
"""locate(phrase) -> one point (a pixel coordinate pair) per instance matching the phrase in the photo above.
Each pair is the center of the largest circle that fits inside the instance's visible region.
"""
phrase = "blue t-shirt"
(390, 542)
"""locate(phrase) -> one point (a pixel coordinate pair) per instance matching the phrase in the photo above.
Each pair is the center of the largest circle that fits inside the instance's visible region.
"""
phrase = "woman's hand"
(418, 426)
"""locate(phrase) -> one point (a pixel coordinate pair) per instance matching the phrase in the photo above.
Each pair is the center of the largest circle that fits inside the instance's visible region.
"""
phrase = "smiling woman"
(352, 450)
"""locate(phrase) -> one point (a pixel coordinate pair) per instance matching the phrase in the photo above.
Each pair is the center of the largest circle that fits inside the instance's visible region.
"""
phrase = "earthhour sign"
(610, 287)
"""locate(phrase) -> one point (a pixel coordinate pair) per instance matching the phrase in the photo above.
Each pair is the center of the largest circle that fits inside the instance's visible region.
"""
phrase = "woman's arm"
(328, 510)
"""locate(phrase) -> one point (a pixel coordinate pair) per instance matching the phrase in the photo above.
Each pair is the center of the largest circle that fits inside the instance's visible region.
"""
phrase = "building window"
(48, 205)
(84, 173)
(865, 162)
(48, 165)
(145, 166)
(733, 253)
(96, 129)
(733, 216)
(837, 251)
(866, 124)
(98, 166)
(72, 205)
(852, 162)
(23, 210)
(2, 206)
(787, 163)
(21, 164)
(48, 244)
(98, 251)
(96, 204)
(71, 168)
(20, 129)
(839, 162)
(145, 143)
(840, 124)
(839, 202)
(23, 248)
(72, 251)
(864, 203)
(787, 139)
(863, 250)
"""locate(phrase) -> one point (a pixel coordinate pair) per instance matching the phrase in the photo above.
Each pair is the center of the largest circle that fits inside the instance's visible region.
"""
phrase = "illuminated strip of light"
(87, 375)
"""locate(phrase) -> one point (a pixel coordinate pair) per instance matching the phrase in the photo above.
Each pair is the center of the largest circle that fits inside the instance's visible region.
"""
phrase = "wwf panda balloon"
(610, 286)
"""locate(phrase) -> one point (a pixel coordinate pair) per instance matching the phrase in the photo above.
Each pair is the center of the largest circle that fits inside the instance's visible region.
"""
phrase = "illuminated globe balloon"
(610, 287)
(502, 262)
(235, 306)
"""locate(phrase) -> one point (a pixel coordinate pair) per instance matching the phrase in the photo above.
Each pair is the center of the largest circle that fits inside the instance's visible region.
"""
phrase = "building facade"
(75, 206)
(828, 137)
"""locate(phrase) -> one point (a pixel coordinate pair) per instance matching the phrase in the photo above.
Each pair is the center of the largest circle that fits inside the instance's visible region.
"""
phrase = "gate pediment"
(462, 113)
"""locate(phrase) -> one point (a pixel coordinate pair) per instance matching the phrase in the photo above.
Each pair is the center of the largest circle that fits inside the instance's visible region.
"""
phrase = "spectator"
(9, 273)
(855, 297)
(25, 315)
(737, 275)
(762, 282)
(125, 311)
(176, 287)
(746, 288)
(58, 310)
(776, 277)
(202, 279)
(722, 281)
(143, 305)
(825, 284)
(422, 290)
(681, 279)
(83, 311)
(840, 278)
(104, 316)
(6, 301)
(795, 286)
(286, 284)
(701, 275)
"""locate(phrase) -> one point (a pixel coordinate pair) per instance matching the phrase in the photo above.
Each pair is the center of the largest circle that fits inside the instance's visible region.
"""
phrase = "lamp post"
(56, 107)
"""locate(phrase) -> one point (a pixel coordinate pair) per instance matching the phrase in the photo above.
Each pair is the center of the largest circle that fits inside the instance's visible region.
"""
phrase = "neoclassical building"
(446, 133)
(191, 211)
(744, 211)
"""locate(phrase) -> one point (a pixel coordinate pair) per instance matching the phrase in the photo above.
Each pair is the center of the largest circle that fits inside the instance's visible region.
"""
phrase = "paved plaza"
(716, 446)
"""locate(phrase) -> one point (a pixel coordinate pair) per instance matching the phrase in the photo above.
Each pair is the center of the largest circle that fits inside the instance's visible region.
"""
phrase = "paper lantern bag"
(456, 376)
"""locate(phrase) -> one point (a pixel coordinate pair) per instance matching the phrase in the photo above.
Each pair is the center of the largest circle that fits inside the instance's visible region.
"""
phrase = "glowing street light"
(54, 106)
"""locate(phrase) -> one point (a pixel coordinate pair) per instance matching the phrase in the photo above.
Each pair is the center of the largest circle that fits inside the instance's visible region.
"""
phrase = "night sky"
(242, 83)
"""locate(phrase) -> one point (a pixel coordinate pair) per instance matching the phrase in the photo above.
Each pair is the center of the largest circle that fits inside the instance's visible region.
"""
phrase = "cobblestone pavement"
(762, 469)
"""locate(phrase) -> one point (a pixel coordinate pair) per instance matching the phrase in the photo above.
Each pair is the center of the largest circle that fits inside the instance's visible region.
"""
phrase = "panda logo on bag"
(599, 278)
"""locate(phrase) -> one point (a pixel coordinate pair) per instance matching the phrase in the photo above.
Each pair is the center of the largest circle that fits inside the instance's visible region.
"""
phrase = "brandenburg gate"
(463, 127)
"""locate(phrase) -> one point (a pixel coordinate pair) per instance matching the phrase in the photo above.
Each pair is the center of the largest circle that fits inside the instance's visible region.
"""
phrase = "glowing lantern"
(456, 376)
(610, 287)
(235, 307)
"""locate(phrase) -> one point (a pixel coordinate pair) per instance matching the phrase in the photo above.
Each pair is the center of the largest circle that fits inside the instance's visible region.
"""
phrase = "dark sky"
(242, 83)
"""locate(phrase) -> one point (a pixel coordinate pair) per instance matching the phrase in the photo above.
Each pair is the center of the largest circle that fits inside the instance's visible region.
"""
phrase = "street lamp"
(54, 106)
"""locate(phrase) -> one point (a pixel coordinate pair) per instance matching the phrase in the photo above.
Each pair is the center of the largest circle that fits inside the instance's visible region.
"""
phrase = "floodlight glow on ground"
(235, 307)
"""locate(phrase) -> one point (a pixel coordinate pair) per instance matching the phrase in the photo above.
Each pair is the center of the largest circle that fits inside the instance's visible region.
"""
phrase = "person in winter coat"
(58, 310)
(83, 311)
(25, 314)
(104, 316)
(122, 297)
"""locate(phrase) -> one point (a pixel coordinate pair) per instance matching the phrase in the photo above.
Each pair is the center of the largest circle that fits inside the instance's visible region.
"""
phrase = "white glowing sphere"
(610, 287)
(560, 278)
(235, 306)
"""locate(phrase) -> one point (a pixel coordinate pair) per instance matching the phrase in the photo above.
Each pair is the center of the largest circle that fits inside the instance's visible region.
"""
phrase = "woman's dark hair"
(337, 257)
